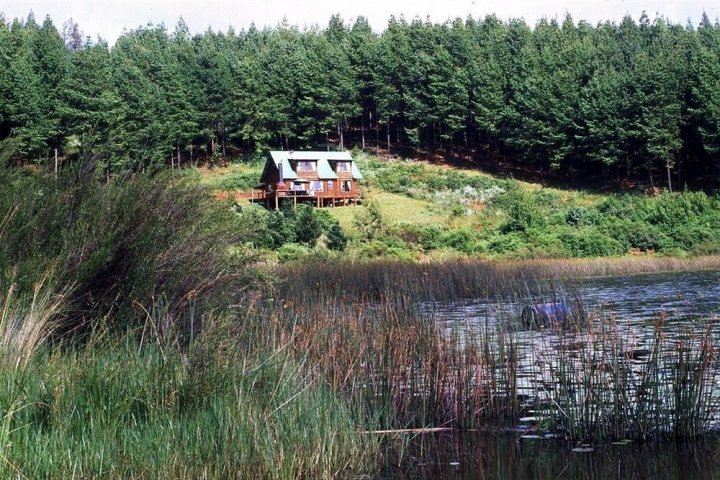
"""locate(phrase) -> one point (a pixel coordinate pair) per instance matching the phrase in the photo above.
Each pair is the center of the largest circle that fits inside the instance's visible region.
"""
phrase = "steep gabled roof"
(323, 159)
(324, 170)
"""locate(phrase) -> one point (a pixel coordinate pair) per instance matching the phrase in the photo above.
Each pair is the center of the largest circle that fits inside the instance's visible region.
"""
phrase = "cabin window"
(298, 186)
(345, 186)
(343, 166)
(316, 185)
(330, 185)
(305, 166)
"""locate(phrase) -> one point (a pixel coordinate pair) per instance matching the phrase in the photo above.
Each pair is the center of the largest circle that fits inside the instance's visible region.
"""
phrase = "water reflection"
(482, 455)
(622, 348)
(634, 299)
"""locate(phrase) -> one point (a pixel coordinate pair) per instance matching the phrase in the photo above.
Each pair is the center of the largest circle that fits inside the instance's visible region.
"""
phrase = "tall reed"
(115, 408)
(591, 377)
(459, 278)
(607, 384)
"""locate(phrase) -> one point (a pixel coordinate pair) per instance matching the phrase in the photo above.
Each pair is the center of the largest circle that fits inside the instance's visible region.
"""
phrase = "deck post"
(294, 201)
(277, 202)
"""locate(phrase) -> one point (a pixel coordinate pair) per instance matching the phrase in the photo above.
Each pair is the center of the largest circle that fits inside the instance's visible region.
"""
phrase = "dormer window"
(306, 166)
(343, 166)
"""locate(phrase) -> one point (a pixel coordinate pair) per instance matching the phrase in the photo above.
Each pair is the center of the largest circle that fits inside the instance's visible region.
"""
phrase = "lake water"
(477, 455)
(633, 300)
(636, 303)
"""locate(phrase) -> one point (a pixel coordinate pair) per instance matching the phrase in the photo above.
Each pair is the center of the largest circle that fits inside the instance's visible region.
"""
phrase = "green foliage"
(462, 240)
(523, 213)
(290, 252)
(369, 221)
(125, 409)
(581, 216)
(122, 245)
(336, 238)
(307, 227)
(617, 99)
(590, 243)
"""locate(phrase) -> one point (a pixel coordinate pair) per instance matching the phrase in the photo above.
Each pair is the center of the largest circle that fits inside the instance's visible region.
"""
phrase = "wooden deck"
(318, 199)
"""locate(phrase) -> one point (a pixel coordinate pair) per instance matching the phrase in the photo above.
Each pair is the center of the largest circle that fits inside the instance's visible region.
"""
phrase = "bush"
(505, 243)
(291, 252)
(281, 228)
(523, 213)
(591, 243)
(384, 247)
(690, 236)
(307, 227)
(336, 239)
(462, 240)
(124, 245)
(369, 221)
(578, 216)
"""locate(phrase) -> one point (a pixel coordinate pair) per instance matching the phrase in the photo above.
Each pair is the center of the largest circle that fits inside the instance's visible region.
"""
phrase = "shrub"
(523, 213)
(307, 227)
(255, 222)
(369, 221)
(581, 216)
(291, 252)
(281, 228)
(336, 239)
(505, 243)
(122, 244)
(384, 247)
(461, 239)
(590, 243)
(690, 236)
(430, 237)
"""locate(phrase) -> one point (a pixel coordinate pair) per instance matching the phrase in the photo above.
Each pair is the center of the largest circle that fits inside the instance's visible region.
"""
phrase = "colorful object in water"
(545, 314)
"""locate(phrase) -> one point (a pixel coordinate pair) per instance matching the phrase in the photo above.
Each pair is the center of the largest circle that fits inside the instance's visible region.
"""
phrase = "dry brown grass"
(25, 324)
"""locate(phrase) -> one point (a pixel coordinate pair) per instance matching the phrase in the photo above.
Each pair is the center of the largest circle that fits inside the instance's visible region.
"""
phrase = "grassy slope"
(436, 210)
(396, 207)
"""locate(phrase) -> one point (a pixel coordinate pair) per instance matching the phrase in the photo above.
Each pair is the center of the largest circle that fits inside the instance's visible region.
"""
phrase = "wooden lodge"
(322, 178)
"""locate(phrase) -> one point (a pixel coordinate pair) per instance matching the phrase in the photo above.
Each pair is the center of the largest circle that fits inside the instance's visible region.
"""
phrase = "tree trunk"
(668, 177)
(652, 183)
(362, 130)
(388, 137)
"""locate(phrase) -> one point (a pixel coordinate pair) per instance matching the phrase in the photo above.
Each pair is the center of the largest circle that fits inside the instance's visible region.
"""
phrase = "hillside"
(414, 209)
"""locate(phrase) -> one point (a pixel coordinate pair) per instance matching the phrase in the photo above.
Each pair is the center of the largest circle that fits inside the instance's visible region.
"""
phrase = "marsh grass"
(461, 278)
(604, 384)
(591, 378)
(296, 387)
(118, 409)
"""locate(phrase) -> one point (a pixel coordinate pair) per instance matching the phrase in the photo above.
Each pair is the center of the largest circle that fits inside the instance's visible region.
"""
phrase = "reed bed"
(300, 383)
(593, 384)
(395, 364)
(460, 278)
(118, 407)
(604, 384)
(590, 378)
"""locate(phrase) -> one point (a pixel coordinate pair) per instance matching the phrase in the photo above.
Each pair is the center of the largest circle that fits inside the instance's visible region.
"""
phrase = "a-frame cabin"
(321, 178)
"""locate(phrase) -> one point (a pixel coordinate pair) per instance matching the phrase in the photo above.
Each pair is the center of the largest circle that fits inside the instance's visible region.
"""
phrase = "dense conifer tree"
(634, 99)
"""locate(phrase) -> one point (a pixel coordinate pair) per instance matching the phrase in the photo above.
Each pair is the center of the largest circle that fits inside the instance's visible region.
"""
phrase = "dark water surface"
(637, 302)
(633, 299)
(477, 455)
